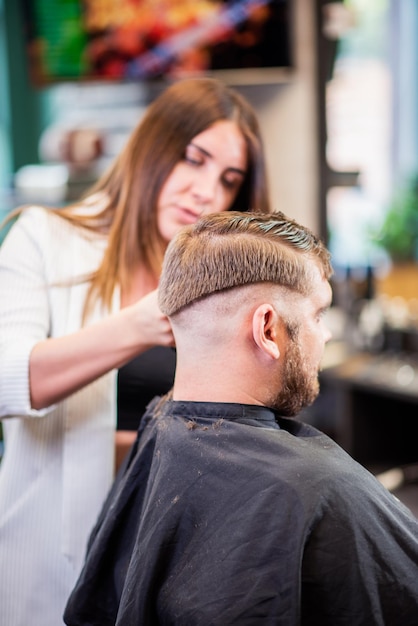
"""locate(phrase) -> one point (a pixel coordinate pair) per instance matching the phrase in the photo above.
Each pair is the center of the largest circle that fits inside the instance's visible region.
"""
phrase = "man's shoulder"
(287, 446)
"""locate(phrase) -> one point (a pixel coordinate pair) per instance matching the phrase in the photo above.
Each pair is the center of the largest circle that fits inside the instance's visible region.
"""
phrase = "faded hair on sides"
(226, 250)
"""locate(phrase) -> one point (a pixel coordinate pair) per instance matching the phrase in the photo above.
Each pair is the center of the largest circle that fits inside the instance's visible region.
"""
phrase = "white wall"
(287, 115)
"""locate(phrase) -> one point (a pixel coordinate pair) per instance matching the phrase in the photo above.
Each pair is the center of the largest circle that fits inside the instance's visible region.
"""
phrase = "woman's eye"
(193, 157)
(192, 161)
(232, 183)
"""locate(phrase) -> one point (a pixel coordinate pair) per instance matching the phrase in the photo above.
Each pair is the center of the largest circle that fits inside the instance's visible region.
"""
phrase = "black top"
(148, 375)
(228, 515)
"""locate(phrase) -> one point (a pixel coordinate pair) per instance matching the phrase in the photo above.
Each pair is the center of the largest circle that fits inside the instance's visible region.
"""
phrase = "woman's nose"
(204, 188)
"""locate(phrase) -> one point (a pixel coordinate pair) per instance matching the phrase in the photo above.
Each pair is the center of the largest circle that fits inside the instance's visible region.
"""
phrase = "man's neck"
(195, 392)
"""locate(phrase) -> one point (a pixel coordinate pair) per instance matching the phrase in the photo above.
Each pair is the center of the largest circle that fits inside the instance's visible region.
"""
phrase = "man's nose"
(328, 334)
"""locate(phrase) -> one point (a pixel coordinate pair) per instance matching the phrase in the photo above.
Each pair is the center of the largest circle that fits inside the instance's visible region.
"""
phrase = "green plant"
(398, 234)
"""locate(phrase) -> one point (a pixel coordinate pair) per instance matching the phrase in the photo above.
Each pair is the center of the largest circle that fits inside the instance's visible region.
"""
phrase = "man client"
(229, 511)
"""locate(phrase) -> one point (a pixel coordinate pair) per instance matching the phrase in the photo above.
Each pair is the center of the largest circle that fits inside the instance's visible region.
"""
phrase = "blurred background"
(335, 87)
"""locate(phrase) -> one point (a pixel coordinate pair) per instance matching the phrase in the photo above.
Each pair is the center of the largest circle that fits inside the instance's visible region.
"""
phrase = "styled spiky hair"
(231, 249)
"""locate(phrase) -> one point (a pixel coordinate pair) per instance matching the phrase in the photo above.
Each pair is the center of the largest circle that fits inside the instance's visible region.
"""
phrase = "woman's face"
(206, 180)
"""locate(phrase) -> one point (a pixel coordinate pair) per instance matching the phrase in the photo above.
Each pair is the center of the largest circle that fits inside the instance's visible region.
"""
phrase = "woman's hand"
(153, 327)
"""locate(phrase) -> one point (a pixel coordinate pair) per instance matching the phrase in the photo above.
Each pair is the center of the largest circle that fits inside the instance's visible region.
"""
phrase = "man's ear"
(265, 330)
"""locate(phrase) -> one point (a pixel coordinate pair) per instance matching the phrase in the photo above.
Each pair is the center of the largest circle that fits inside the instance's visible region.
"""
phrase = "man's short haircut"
(231, 249)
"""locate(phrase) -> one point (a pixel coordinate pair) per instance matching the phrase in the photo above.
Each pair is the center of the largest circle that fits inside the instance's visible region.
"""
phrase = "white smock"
(58, 462)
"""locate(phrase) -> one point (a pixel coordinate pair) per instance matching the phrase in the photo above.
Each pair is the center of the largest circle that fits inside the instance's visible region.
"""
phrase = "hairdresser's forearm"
(60, 366)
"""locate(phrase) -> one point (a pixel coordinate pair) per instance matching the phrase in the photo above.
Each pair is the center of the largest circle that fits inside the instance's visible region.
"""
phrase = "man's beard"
(298, 387)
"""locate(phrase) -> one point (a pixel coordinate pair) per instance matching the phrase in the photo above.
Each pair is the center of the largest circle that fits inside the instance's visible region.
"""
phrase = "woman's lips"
(188, 216)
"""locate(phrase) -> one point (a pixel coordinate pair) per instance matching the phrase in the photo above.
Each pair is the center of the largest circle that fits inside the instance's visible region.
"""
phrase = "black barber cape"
(228, 515)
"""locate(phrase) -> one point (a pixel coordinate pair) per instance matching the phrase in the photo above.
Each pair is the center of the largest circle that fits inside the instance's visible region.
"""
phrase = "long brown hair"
(132, 185)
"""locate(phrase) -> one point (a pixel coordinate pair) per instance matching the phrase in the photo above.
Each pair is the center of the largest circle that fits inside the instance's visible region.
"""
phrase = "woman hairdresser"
(83, 344)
